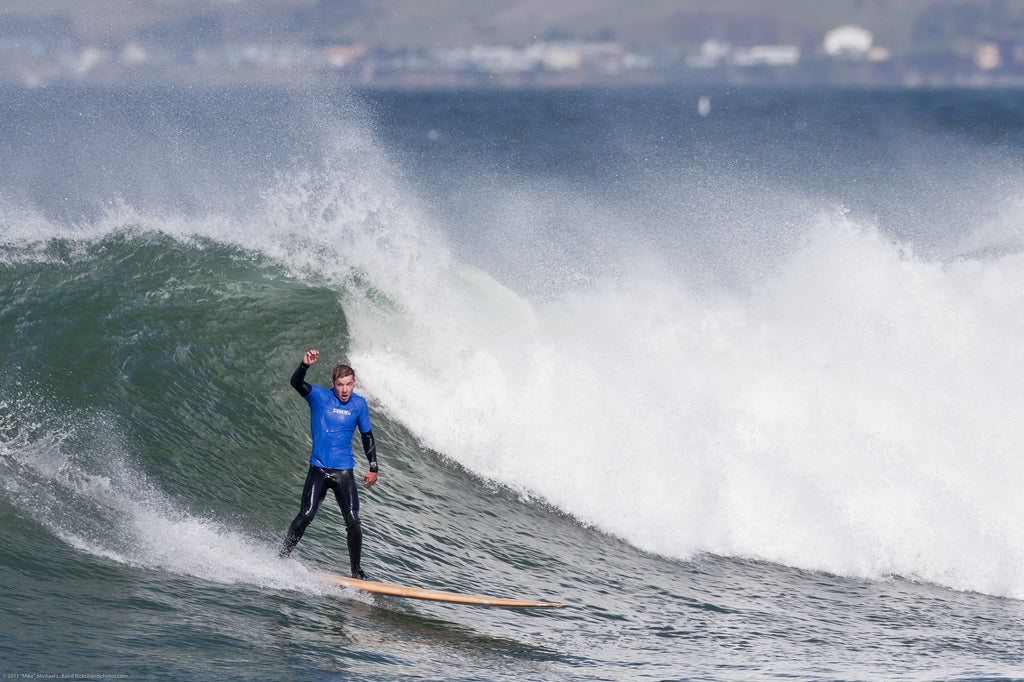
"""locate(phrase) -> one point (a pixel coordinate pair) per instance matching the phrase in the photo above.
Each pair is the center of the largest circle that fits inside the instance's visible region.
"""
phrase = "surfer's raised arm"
(299, 377)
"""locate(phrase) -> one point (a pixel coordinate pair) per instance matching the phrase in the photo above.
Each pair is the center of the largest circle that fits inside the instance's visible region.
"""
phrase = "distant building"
(711, 54)
(89, 58)
(767, 55)
(133, 54)
(340, 56)
(848, 42)
(987, 56)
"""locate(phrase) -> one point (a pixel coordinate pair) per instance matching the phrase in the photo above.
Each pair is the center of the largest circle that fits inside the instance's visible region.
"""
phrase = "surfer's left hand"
(370, 478)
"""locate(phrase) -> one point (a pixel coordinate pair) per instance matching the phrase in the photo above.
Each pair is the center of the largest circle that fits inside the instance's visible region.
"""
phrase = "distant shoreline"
(504, 83)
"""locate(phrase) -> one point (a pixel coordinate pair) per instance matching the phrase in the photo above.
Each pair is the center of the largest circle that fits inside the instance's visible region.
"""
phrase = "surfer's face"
(343, 387)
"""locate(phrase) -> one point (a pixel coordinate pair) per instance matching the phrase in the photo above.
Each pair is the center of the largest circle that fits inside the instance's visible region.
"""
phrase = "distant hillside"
(901, 25)
(636, 23)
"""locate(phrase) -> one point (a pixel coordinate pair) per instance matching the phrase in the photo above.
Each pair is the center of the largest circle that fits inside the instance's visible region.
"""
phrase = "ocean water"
(744, 388)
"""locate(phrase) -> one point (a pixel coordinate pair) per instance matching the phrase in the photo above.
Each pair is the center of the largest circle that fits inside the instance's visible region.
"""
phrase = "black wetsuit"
(341, 481)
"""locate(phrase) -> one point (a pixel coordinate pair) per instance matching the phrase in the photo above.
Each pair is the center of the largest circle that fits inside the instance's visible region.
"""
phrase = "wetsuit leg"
(347, 495)
(312, 495)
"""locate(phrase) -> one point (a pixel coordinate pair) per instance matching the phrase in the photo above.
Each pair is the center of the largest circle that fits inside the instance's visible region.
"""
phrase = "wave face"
(775, 346)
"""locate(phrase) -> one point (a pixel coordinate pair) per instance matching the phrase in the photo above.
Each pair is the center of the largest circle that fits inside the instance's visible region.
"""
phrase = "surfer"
(334, 416)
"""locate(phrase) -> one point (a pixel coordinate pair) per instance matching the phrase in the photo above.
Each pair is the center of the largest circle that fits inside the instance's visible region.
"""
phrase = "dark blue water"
(741, 388)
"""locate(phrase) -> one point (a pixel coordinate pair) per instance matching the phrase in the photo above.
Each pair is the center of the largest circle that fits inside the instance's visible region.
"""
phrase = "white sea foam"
(854, 413)
(71, 474)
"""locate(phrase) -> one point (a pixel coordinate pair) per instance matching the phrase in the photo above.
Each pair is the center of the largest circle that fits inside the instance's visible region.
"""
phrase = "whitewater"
(728, 381)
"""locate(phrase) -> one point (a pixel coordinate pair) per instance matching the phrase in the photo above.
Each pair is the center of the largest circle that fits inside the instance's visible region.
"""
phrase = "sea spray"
(855, 414)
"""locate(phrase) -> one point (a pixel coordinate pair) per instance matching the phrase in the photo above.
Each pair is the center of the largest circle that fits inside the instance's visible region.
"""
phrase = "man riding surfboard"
(334, 416)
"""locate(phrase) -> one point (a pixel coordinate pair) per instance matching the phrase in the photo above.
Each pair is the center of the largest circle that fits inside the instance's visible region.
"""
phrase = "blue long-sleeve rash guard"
(332, 424)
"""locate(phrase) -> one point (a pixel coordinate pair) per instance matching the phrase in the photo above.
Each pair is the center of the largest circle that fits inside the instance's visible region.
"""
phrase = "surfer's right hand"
(311, 356)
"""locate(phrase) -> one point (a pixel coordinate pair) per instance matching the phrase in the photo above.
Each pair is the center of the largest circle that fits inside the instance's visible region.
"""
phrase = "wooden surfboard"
(433, 595)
